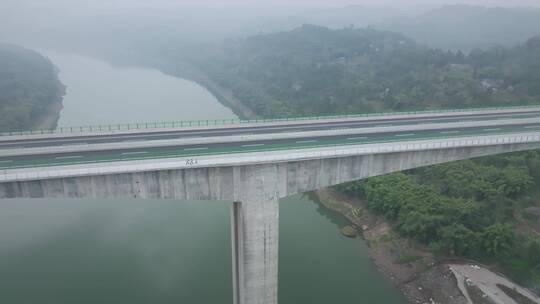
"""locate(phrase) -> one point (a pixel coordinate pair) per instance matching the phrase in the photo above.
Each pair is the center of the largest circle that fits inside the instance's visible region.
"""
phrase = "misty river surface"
(139, 252)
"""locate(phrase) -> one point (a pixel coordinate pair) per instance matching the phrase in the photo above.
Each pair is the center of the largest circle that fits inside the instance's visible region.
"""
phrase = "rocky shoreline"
(411, 267)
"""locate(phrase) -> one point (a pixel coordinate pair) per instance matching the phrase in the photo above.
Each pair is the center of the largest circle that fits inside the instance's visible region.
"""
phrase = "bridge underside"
(256, 189)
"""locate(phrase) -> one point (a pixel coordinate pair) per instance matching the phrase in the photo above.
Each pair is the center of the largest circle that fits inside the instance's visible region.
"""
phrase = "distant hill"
(29, 87)
(466, 27)
(315, 70)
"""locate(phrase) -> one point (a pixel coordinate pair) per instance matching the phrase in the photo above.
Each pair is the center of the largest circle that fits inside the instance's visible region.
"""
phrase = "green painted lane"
(240, 147)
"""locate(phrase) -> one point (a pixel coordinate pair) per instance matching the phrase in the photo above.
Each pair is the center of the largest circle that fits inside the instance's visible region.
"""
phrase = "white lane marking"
(449, 132)
(494, 129)
(380, 126)
(401, 135)
(133, 140)
(134, 153)
(5, 161)
(193, 149)
(340, 128)
(69, 157)
(189, 137)
(355, 138)
(532, 127)
(306, 141)
(253, 145)
(75, 144)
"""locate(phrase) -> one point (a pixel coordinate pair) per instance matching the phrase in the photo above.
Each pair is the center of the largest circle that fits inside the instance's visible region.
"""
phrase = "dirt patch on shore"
(484, 286)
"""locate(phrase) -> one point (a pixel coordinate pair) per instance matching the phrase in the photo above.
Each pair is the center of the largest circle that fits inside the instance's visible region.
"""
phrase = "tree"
(497, 240)
(459, 240)
(512, 181)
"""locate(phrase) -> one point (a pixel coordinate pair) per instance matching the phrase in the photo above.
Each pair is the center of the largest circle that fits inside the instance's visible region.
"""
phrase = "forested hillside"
(477, 209)
(314, 70)
(474, 209)
(29, 86)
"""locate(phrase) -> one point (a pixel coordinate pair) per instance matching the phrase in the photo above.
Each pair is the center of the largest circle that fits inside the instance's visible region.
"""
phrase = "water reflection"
(114, 251)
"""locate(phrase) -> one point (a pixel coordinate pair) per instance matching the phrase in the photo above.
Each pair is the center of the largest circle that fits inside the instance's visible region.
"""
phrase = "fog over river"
(127, 251)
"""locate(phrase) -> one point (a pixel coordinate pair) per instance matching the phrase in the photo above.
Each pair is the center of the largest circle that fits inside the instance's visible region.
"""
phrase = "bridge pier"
(254, 234)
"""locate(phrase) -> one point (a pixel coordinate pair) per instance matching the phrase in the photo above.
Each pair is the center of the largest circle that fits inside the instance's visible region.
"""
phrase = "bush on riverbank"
(349, 231)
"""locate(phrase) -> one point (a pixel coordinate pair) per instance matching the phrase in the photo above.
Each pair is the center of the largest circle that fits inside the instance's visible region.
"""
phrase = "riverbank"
(414, 270)
(225, 96)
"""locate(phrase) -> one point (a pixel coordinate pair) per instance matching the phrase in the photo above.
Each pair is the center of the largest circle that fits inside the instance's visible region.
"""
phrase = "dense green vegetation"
(28, 86)
(467, 208)
(314, 70)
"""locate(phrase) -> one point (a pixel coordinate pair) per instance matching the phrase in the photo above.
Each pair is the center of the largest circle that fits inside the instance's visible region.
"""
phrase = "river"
(127, 251)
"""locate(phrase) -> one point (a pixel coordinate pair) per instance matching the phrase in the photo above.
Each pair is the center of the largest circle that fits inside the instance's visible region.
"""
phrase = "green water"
(87, 251)
(114, 252)
(318, 265)
(127, 251)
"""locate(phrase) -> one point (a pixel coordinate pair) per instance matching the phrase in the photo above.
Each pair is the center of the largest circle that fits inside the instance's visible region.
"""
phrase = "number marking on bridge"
(191, 162)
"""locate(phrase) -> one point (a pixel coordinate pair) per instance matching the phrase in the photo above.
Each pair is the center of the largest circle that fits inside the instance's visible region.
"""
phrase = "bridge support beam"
(254, 227)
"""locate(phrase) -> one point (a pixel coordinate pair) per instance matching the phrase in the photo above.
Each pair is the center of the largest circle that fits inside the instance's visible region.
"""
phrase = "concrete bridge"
(251, 163)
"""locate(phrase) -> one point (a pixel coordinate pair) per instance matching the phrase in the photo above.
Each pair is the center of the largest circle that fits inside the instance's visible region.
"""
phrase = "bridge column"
(255, 252)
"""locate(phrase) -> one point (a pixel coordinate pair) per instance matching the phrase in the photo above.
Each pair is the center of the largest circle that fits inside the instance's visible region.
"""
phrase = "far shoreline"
(49, 120)
(223, 95)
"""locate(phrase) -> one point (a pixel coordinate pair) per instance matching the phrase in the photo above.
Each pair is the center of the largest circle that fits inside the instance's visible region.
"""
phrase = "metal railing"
(221, 122)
